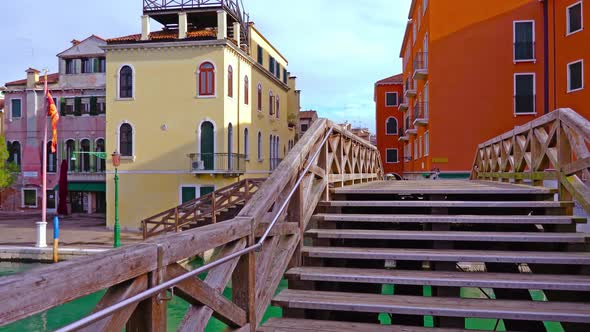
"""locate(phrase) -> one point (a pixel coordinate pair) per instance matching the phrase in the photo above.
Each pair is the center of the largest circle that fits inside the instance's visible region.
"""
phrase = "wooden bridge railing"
(194, 213)
(553, 147)
(137, 276)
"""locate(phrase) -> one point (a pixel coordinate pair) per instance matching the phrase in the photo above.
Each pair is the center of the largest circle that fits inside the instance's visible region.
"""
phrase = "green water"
(70, 312)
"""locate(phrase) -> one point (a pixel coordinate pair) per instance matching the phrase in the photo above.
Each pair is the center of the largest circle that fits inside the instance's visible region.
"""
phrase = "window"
(246, 144)
(575, 76)
(126, 140)
(259, 146)
(414, 26)
(246, 90)
(574, 18)
(85, 155)
(70, 148)
(230, 82)
(285, 75)
(87, 66)
(100, 105)
(126, 82)
(420, 147)
(16, 108)
(524, 93)
(271, 64)
(271, 101)
(102, 65)
(85, 106)
(70, 106)
(391, 126)
(278, 110)
(259, 97)
(99, 162)
(206, 79)
(30, 198)
(426, 143)
(424, 6)
(188, 193)
(407, 152)
(260, 55)
(524, 41)
(392, 156)
(70, 66)
(304, 128)
(391, 99)
(51, 159)
(278, 70)
(14, 153)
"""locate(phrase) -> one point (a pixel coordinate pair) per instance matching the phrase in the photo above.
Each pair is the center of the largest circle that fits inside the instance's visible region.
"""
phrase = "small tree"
(8, 170)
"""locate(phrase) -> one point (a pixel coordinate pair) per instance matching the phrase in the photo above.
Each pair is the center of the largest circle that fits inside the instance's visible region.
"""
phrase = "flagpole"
(42, 226)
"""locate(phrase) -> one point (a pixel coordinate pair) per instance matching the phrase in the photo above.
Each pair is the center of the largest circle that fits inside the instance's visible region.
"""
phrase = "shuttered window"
(524, 93)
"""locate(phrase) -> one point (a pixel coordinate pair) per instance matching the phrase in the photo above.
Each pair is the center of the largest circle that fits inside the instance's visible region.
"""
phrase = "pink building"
(79, 93)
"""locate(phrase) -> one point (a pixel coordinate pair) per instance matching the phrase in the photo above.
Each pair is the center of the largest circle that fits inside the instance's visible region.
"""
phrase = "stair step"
(453, 219)
(362, 234)
(310, 325)
(442, 278)
(449, 204)
(492, 256)
(435, 306)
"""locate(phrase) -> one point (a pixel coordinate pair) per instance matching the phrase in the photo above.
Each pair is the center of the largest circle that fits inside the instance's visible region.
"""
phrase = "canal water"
(70, 312)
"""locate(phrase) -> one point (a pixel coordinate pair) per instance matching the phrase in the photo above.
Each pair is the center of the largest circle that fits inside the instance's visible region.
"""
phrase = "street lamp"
(116, 162)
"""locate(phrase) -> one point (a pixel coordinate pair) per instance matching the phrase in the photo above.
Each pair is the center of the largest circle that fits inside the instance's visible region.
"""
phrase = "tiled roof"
(51, 78)
(163, 35)
(396, 79)
(308, 114)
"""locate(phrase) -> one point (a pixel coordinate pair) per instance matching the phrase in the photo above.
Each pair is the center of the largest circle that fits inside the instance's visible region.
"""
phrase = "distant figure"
(436, 173)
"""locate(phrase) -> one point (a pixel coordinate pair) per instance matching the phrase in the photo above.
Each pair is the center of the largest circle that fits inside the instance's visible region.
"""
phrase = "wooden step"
(452, 219)
(362, 234)
(448, 204)
(435, 306)
(484, 256)
(309, 325)
(442, 278)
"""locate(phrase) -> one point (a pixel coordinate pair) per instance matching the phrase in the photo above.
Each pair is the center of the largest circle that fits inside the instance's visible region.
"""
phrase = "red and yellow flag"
(52, 112)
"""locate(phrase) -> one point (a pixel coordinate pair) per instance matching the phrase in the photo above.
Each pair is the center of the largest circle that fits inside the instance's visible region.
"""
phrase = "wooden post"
(213, 208)
(176, 220)
(564, 157)
(244, 284)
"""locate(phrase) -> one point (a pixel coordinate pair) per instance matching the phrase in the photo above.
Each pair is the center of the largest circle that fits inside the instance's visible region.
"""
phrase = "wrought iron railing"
(231, 163)
(421, 111)
(421, 61)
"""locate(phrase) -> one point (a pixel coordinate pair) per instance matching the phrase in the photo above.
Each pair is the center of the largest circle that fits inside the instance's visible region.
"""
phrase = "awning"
(85, 186)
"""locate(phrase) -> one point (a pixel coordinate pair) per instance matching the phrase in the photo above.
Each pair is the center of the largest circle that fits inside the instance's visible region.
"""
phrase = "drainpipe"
(546, 53)
(239, 133)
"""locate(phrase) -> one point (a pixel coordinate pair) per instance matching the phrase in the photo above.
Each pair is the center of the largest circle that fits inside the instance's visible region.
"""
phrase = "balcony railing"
(402, 135)
(410, 90)
(217, 163)
(421, 66)
(524, 51)
(421, 113)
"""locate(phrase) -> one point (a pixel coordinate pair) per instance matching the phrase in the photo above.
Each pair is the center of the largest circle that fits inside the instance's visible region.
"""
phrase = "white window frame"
(396, 99)
(21, 109)
(260, 146)
(133, 143)
(199, 134)
(567, 19)
(396, 126)
(119, 82)
(23, 198)
(427, 143)
(534, 58)
(569, 90)
(420, 147)
(415, 144)
(247, 144)
(534, 93)
(392, 162)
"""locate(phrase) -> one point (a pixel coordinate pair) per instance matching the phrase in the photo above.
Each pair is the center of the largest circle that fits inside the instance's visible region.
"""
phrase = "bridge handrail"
(277, 214)
(552, 147)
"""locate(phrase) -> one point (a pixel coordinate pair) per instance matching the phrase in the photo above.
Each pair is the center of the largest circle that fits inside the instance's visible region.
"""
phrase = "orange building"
(474, 69)
(388, 94)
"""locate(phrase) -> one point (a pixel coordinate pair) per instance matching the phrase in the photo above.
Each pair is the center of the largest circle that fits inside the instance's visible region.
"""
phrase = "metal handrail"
(171, 283)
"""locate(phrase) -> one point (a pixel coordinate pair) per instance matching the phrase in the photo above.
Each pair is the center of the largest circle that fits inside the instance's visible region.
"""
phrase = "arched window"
(85, 155)
(126, 140)
(206, 79)
(51, 159)
(271, 102)
(391, 126)
(246, 144)
(100, 162)
(278, 110)
(14, 155)
(230, 82)
(70, 148)
(230, 146)
(126, 82)
(259, 146)
(271, 152)
(259, 97)
(246, 90)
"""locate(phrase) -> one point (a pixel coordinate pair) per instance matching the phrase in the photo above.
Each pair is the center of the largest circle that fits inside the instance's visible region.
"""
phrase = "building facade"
(387, 97)
(194, 107)
(306, 119)
(493, 66)
(78, 90)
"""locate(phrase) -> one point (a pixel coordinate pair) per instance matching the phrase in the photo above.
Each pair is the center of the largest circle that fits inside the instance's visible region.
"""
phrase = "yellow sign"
(440, 160)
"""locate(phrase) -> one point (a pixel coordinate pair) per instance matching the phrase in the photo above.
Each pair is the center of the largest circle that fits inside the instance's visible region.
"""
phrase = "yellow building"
(194, 107)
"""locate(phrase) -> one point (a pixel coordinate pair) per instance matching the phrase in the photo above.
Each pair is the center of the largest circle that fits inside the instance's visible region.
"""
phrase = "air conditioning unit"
(198, 165)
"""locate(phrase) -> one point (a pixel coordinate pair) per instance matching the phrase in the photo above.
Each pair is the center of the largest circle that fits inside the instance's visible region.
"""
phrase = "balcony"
(227, 164)
(403, 106)
(410, 92)
(402, 136)
(421, 66)
(90, 176)
(411, 131)
(421, 114)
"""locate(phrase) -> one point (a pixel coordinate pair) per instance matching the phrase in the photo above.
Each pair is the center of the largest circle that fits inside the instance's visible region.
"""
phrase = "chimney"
(145, 27)
(237, 34)
(32, 78)
(221, 24)
(75, 42)
(182, 25)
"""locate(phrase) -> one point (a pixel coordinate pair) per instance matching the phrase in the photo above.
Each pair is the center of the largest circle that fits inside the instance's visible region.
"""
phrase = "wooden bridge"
(327, 222)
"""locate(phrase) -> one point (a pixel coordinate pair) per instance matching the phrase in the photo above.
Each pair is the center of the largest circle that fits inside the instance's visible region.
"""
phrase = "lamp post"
(116, 162)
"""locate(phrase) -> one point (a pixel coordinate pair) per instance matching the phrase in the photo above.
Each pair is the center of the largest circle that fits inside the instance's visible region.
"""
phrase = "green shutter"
(78, 156)
(188, 194)
(92, 158)
(93, 108)
(206, 190)
(95, 65)
(63, 106)
(78, 106)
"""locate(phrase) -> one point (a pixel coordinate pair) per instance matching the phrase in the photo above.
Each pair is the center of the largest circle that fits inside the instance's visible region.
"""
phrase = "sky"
(337, 49)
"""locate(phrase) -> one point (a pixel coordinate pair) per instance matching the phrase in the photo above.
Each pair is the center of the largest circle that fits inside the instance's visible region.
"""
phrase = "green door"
(207, 190)
(188, 194)
(207, 148)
